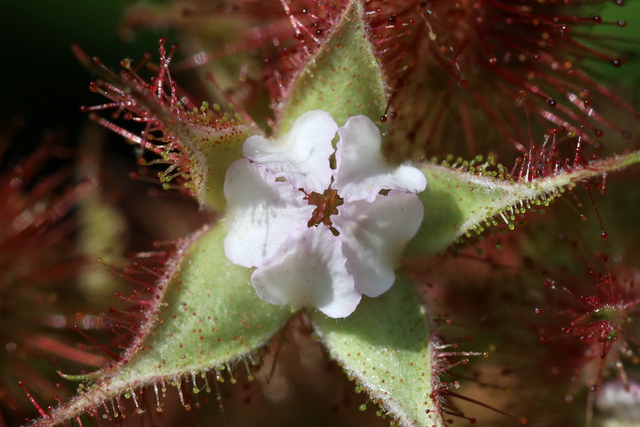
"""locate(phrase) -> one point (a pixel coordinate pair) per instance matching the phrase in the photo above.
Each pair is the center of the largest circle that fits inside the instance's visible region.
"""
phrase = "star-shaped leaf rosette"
(315, 222)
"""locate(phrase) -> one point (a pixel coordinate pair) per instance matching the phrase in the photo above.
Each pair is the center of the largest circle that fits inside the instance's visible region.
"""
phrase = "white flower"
(320, 237)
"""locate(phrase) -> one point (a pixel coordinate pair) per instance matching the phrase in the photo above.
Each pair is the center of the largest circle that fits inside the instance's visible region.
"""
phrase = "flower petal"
(262, 212)
(301, 156)
(362, 171)
(374, 235)
(308, 270)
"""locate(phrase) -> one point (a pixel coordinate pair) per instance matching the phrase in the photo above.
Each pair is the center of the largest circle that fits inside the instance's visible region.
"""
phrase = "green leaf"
(385, 346)
(458, 203)
(211, 151)
(208, 316)
(207, 146)
(343, 78)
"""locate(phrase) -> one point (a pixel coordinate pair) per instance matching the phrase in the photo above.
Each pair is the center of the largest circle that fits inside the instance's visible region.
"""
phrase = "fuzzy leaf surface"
(209, 145)
(385, 346)
(343, 78)
(208, 315)
(457, 203)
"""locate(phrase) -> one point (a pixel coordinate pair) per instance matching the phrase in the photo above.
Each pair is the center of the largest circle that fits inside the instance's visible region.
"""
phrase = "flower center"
(326, 205)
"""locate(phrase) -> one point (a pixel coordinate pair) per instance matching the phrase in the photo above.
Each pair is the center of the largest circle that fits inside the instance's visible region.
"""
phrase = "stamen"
(327, 204)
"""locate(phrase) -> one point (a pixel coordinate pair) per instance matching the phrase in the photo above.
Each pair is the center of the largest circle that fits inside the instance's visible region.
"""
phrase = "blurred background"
(40, 79)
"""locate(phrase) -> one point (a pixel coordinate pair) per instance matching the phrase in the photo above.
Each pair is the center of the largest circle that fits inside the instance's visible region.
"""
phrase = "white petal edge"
(261, 213)
(308, 270)
(301, 156)
(374, 236)
(361, 170)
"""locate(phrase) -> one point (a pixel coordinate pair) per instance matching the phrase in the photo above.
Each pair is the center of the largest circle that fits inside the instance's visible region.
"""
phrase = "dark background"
(41, 82)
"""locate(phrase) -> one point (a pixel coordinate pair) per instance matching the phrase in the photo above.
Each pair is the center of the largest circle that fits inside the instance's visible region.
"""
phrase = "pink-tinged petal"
(301, 156)
(374, 235)
(362, 171)
(308, 270)
(262, 212)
